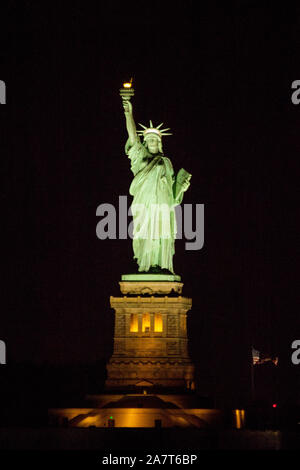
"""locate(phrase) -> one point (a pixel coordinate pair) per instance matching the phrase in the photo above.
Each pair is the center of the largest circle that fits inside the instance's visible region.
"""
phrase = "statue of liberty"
(155, 192)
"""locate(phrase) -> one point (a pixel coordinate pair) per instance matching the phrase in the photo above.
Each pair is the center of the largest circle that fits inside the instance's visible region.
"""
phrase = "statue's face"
(152, 143)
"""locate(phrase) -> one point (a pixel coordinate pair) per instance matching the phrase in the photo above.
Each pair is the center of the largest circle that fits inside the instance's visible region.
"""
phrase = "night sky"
(221, 80)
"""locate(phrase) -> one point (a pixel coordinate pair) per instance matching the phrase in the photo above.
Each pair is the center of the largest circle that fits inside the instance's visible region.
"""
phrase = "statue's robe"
(152, 208)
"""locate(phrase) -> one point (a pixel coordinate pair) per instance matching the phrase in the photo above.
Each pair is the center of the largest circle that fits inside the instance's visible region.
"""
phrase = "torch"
(127, 91)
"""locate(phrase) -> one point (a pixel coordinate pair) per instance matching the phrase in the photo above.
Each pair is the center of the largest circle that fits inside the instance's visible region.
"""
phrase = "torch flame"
(127, 84)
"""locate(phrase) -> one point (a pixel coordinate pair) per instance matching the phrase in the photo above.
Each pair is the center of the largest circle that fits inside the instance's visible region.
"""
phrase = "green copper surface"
(151, 277)
(156, 191)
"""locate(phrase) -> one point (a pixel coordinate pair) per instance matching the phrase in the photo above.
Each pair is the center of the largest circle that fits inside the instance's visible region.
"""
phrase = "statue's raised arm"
(130, 124)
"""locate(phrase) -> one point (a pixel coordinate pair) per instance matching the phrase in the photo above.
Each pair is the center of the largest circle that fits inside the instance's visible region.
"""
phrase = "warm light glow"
(274, 405)
(88, 421)
(134, 326)
(127, 85)
(183, 322)
(239, 418)
(146, 322)
(158, 323)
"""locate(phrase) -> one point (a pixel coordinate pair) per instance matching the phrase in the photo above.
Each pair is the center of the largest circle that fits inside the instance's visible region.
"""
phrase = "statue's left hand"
(185, 184)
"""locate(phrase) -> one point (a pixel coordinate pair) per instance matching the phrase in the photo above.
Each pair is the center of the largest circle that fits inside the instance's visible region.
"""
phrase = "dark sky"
(221, 80)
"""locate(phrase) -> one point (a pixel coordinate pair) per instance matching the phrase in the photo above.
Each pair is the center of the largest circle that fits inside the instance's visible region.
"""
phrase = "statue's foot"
(158, 270)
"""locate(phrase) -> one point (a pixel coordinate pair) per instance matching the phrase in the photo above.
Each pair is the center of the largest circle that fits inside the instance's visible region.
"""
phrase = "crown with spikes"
(153, 130)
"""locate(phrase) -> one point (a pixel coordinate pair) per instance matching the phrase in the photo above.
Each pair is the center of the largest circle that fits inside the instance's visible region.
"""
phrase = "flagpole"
(252, 379)
(252, 374)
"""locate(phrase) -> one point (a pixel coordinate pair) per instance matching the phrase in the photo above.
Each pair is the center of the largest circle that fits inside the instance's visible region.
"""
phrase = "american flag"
(259, 358)
(255, 355)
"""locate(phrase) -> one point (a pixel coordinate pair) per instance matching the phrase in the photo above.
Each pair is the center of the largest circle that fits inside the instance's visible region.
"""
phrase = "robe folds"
(154, 219)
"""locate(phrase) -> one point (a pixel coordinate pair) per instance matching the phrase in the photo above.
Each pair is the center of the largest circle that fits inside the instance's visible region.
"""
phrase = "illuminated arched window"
(134, 325)
(146, 323)
(158, 323)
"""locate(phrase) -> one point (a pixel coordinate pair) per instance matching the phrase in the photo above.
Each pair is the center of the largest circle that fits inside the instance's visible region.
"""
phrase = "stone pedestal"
(150, 369)
(150, 338)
